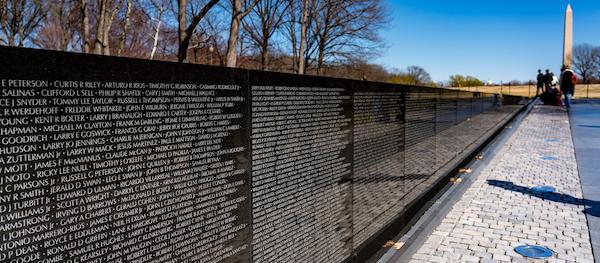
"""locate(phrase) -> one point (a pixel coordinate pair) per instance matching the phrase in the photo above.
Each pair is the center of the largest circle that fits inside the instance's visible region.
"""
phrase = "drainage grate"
(553, 128)
(543, 189)
(552, 140)
(538, 252)
(549, 158)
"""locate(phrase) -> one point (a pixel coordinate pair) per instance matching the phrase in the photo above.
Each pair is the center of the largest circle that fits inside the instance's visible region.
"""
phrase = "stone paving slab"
(499, 211)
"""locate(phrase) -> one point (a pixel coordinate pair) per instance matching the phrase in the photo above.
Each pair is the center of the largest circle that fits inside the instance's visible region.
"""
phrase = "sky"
(497, 40)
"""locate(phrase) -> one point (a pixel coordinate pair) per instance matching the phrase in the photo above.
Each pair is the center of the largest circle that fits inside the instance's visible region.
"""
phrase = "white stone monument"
(568, 41)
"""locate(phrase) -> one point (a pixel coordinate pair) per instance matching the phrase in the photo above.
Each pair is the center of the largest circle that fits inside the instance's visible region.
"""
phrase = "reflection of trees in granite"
(453, 141)
(420, 136)
(377, 196)
(301, 204)
(445, 127)
(392, 168)
(378, 162)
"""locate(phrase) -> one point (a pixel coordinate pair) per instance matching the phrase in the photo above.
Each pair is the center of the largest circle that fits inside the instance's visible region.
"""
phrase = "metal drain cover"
(549, 158)
(543, 189)
(553, 140)
(538, 252)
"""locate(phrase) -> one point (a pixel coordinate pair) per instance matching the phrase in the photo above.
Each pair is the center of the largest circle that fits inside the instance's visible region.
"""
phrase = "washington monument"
(568, 40)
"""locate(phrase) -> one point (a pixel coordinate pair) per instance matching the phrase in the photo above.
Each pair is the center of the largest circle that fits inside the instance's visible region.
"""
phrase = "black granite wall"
(106, 159)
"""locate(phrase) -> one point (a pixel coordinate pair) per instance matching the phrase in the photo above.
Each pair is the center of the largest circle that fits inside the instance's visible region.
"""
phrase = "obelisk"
(568, 41)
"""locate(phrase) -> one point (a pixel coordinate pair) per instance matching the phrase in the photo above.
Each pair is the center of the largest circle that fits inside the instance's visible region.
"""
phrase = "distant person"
(548, 79)
(554, 81)
(568, 79)
(540, 83)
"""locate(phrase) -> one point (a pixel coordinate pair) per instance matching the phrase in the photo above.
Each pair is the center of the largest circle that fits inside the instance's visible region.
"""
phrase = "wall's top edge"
(208, 67)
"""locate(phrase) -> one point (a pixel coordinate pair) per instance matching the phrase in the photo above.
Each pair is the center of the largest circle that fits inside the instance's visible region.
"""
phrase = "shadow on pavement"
(592, 207)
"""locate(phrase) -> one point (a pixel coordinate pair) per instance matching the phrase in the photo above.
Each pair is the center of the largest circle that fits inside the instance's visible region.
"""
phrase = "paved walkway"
(585, 126)
(499, 211)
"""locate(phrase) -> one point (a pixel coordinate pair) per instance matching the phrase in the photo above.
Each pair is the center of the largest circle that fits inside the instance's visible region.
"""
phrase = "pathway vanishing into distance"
(499, 211)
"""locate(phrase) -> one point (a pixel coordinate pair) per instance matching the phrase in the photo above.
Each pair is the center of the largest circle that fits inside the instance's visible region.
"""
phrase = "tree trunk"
(98, 44)
(234, 32)
(323, 37)
(321, 50)
(301, 65)
(182, 20)
(293, 40)
(63, 19)
(320, 61)
(156, 33)
(266, 31)
(21, 27)
(107, 27)
(19, 19)
(264, 59)
(14, 23)
(85, 45)
(185, 30)
(106, 15)
(123, 38)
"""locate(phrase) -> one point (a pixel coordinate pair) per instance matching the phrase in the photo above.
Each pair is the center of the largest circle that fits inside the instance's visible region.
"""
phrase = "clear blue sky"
(489, 39)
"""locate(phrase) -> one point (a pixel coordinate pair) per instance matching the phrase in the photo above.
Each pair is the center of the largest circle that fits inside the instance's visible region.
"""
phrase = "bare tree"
(184, 36)
(333, 37)
(290, 28)
(150, 28)
(414, 75)
(303, 28)
(418, 75)
(345, 29)
(60, 29)
(107, 10)
(214, 38)
(585, 61)
(262, 23)
(126, 24)
(298, 21)
(85, 25)
(19, 19)
(156, 11)
(239, 9)
(187, 30)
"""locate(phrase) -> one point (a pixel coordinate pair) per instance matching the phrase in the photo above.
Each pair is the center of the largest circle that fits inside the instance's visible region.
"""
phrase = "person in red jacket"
(568, 79)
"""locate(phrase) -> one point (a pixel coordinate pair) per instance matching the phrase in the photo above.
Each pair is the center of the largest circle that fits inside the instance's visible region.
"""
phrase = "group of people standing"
(550, 95)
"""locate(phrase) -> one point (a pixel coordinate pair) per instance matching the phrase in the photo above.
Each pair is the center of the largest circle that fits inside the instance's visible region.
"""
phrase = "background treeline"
(337, 38)
(320, 37)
